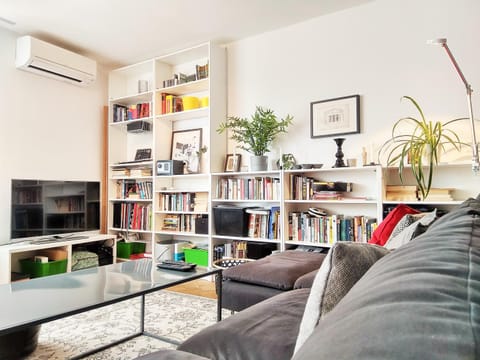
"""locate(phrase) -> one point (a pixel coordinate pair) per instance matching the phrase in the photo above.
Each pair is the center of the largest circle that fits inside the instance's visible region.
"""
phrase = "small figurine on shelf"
(339, 153)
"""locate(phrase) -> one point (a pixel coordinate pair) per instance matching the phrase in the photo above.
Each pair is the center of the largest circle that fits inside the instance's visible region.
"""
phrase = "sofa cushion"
(344, 265)
(268, 330)
(416, 225)
(279, 270)
(419, 302)
(385, 228)
(306, 281)
(237, 296)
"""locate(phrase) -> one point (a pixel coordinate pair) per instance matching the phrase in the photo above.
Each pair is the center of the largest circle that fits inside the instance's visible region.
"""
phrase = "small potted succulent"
(255, 135)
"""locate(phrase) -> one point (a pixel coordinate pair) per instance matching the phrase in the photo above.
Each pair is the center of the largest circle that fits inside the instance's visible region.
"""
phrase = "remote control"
(176, 265)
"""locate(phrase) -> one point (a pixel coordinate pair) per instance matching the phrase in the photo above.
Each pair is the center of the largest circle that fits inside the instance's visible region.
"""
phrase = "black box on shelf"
(258, 250)
(201, 225)
(138, 126)
(230, 220)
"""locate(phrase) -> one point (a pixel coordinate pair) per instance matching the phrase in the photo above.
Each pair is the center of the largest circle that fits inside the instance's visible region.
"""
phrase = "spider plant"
(420, 147)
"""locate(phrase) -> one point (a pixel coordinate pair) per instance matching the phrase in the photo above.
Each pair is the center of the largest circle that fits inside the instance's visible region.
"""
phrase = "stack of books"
(439, 194)
(139, 172)
(120, 172)
(401, 193)
(200, 203)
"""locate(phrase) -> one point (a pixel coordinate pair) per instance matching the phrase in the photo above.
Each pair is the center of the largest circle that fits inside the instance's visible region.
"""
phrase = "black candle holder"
(339, 154)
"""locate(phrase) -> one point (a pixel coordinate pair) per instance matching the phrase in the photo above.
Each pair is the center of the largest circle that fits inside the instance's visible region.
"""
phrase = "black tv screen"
(47, 207)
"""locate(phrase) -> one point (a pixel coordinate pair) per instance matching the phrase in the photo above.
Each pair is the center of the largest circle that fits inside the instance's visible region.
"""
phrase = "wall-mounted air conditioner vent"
(55, 62)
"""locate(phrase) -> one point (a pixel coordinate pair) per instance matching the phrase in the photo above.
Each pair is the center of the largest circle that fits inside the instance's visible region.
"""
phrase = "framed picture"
(334, 117)
(186, 145)
(232, 162)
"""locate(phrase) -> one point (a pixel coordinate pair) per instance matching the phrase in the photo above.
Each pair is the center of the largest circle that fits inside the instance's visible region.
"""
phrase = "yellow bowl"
(190, 102)
(204, 101)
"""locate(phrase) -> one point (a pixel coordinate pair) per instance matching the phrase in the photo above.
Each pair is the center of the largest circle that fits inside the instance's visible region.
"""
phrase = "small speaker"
(169, 167)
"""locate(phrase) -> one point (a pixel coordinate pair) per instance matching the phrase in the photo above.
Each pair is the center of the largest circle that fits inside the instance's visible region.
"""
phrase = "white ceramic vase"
(258, 163)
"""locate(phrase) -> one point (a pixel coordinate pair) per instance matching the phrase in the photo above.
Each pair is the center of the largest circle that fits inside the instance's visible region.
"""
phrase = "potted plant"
(420, 147)
(256, 135)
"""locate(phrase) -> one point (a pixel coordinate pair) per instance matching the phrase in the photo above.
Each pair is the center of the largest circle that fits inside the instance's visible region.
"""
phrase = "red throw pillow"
(383, 231)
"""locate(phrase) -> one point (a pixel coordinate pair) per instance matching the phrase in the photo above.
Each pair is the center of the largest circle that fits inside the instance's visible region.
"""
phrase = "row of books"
(179, 222)
(27, 196)
(236, 249)
(186, 201)
(263, 223)
(328, 229)
(254, 188)
(411, 193)
(134, 216)
(308, 188)
(133, 189)
(132, 112)
(68, 204)
(170, 103)
(201, 72)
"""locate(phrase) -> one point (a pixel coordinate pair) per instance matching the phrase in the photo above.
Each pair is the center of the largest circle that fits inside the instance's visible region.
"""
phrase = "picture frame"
(333, 117)
(186, 146)
(232, 162)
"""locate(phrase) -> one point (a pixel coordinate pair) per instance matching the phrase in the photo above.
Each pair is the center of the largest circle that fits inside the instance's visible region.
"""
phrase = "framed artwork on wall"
(232, 162)
(186, 146)
(332, 117)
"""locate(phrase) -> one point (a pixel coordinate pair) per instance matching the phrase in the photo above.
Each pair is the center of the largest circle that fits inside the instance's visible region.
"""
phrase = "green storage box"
(125, 249)
(38, 269)
(196, 256)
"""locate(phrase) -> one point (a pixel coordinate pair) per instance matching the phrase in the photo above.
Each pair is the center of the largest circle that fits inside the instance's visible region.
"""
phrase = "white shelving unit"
(367, 198)
(458, 177)
(11, 254)
(363, 203)
(124, 91)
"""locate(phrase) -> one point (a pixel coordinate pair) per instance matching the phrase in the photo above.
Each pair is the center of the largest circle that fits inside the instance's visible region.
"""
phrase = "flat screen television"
(50, 207)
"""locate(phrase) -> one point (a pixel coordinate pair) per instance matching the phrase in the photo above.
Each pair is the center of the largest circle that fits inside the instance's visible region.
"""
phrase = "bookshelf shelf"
(186, 88)
(184, 115)
(124, 124)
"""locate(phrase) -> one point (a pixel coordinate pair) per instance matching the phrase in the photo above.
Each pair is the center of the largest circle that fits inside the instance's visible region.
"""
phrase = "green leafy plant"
(420, 147)
(256, 135)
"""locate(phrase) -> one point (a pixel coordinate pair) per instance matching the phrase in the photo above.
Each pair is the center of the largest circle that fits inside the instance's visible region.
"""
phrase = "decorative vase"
(339, 153)
(258, 163)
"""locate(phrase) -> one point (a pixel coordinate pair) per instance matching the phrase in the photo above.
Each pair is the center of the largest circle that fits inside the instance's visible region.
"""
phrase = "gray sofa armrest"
(171, 355)
(305, 281)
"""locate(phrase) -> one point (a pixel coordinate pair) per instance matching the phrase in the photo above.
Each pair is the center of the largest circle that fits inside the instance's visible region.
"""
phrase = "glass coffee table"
(33, 302)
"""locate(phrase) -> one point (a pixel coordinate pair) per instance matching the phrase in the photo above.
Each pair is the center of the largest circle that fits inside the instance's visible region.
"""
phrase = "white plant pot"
(258, 163)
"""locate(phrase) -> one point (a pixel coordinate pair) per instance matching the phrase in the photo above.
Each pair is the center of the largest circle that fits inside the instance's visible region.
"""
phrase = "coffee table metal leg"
(218, 286)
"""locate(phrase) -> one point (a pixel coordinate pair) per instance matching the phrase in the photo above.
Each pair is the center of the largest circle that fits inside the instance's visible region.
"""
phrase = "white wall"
(377, 50)
(49, 129)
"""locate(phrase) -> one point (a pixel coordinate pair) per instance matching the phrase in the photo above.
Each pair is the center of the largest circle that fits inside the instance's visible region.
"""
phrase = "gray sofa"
(420, 301)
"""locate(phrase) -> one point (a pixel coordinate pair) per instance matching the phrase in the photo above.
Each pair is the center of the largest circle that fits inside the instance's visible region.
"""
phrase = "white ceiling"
(120, 32)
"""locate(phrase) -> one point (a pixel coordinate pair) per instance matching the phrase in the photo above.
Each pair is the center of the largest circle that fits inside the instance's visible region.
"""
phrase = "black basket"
(229, 262)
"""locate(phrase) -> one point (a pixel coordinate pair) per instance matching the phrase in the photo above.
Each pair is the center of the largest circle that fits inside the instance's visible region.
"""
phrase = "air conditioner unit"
(50, 60)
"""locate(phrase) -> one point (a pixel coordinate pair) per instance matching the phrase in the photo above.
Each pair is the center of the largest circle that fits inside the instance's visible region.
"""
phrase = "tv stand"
(10, 255)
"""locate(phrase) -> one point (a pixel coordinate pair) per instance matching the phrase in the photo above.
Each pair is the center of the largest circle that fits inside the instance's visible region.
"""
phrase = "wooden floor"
(199, 287)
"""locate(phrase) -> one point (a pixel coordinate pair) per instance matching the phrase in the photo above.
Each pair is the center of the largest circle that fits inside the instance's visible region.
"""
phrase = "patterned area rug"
(167, 313)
